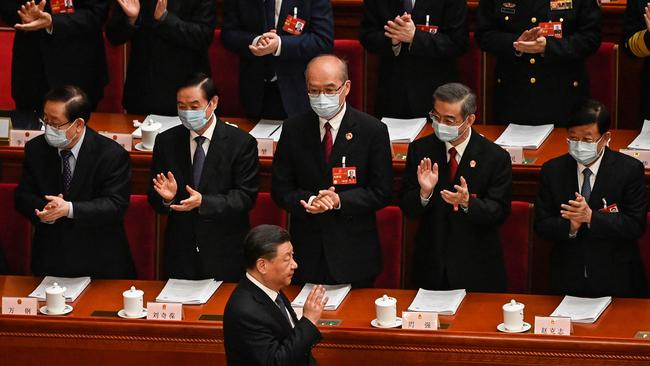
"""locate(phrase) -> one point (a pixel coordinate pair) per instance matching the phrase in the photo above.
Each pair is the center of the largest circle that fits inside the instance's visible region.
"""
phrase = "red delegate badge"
(344, 175)
(62, 6)
(551, 29)
(294, 25)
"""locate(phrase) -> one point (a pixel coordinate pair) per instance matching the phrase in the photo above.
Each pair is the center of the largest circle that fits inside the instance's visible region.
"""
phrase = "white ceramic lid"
(55, 289)
(150, 125)
(133, 292)
(513, 306)
(386, 301)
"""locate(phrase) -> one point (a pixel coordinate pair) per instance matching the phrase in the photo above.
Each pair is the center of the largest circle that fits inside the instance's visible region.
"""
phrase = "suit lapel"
(285, 9)
(439, 155)
(313, 144)
(182, 147)
(215, 151)
(271, 307)
(601, 183)
(344, 139)
(470, 157)
(571, 186)
(84, 164)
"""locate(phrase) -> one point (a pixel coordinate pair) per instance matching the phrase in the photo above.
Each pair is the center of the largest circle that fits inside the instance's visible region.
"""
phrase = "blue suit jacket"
(244, 20)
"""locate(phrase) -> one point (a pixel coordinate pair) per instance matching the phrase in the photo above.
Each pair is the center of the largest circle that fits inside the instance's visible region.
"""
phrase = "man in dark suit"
(52, 50)
(205, 178)
(273, 54)
(259, 325)
(169, 41)
(75, 189)
(459, 184)
(539, 76)
(333, 218)
(636, 41)
(592, 204)
(418, 50)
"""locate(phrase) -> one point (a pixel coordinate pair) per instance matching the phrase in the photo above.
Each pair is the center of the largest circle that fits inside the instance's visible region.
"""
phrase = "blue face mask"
(325, 106)
(446, 133)
(584, 153)
(193, 119)
(58, 138)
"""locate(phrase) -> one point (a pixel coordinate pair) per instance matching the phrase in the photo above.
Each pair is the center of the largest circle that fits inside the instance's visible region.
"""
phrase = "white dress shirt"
(208, 137)
(72, 161)
(594, 172)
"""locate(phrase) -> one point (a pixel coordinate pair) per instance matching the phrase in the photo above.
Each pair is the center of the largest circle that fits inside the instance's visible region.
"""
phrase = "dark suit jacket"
(407, 81)
(560, 75)
(608, 249)
(244, 20)
(464, 247)
(72, 54)
(94, 242)
(257, 333)
(346, 238)
(163, 54)
(229, 185)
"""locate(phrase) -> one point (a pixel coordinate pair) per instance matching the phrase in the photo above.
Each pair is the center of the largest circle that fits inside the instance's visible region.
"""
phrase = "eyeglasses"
(448, 121)
(49, 123)
(329, 92)
(587, 140)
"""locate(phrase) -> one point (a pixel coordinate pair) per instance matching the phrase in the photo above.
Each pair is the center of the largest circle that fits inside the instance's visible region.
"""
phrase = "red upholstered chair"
(116, 61)
(603, 78)
(267, 212)
(353, 52)
(515, 242)
(470, 68)
(224, 65)
(389, 223)
(6, 46)
(15, 233)
(644, 248)
(140, 225)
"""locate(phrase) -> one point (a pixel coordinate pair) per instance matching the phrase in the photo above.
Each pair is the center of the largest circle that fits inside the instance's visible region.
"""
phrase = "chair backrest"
(515, 243)
(603, 78)
(470, 68)
(6, 52)
(15, 233)
(352, 51)
(267, 212)
(140, 226)
(389, 223)
(113, 91)
(224, 65)
(644, 248)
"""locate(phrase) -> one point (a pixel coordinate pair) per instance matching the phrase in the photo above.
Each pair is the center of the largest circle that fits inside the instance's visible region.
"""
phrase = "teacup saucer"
(502, 328)
(122, 314)
(398, 323)
(141, 147)
(67, 309)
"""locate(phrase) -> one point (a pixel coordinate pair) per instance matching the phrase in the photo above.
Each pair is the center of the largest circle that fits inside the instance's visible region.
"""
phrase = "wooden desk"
(83, 339)
(525, 177)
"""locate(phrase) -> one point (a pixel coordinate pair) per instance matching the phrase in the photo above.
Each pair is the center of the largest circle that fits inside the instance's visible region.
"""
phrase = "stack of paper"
(527, 137)
(73, 287)
(642, 142)
(188, 292)
(167, 122)
(441, 302)
(336, 295)
(267, 129)
(404, 130)
(582, 309)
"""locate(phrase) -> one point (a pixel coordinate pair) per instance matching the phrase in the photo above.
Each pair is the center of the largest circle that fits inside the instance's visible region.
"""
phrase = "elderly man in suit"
(459, 184)
(274, 50)
(592, 204)
(333, 220)
(205, 178)
(75, 189)
(260, 327)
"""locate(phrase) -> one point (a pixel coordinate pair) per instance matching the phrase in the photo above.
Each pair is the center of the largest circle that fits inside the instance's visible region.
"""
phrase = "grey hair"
(457, 92)
(344, 65)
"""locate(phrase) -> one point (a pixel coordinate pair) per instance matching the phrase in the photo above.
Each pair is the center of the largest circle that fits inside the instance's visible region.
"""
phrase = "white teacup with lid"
(133, 302)
(149, 132)
(386, 308)
(55, 299)
(513, 316)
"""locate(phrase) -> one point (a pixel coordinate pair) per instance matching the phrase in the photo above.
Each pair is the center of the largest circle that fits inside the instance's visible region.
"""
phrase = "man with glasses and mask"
(205, 178)
(75, 189)
(332, 171)
(460, 185)
(592, 204)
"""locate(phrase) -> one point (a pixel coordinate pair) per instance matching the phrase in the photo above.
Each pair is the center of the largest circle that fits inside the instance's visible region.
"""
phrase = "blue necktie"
(586, 184)
(67, 170)
(199, 159)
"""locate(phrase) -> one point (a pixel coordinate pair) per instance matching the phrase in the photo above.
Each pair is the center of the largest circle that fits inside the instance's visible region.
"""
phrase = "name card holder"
(5, 128)
(549, 325)
(164, 311)
(265, 147)
(123, 139)
(18, 138)
(516, 154)
(419, 320)
(641, 155)
(19, 306)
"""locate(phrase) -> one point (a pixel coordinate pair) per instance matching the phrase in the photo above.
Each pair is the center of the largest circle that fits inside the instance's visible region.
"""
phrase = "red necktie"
(327, 142)
(453, 164)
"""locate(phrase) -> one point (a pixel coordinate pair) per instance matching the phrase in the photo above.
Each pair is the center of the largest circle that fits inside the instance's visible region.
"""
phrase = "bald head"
(328, 65)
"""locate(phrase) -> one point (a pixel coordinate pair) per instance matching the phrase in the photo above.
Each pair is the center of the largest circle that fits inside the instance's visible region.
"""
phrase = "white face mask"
(445, 132)
(58, 138)
(584, 153)
(325, 106)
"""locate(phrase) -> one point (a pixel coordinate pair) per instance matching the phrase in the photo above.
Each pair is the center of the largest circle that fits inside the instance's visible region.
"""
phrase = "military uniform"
(536, 89)
(637, 42)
